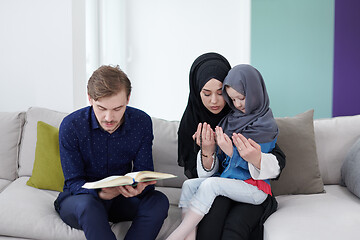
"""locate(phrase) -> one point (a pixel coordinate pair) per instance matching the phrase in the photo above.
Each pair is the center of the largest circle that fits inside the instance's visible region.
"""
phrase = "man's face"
(109, 111)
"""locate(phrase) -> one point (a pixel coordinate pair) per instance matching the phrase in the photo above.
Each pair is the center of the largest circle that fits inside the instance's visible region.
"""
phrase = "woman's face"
(211, 96)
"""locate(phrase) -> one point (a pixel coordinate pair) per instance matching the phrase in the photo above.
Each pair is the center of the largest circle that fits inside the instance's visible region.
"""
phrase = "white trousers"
(200, 193)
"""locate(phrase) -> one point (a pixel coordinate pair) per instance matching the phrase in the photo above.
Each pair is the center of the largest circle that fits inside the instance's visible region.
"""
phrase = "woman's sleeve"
(271, 165)
(200, 169)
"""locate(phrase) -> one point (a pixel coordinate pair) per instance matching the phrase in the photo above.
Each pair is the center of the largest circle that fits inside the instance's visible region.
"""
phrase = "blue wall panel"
(292, 46)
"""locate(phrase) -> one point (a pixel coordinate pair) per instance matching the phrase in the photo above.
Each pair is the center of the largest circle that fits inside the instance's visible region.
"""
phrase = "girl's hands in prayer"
(223, 141)
(127, 190)
(248, 149)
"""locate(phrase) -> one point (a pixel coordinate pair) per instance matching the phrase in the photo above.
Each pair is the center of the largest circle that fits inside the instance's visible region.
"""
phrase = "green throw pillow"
(47, 172)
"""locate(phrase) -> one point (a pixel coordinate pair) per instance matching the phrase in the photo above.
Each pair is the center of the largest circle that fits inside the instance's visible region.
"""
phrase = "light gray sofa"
(28, 213)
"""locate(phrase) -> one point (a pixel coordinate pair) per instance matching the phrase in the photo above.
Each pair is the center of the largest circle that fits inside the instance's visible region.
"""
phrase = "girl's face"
(237, 98)
(211, 96)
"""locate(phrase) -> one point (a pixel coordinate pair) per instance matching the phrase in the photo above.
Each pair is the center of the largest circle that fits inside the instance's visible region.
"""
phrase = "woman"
(226, 219)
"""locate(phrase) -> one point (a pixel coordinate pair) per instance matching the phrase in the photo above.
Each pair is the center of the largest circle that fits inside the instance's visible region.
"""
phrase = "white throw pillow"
(334, 137)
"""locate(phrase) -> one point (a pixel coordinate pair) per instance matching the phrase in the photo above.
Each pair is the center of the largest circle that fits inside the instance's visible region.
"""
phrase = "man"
(104, 139)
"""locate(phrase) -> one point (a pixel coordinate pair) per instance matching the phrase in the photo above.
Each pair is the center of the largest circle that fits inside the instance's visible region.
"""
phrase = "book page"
(132, 174)
(129, 179)
(111, 181)
(146, 176)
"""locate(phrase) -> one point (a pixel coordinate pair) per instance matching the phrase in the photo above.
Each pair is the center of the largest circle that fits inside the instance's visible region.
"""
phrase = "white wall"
(164, 38)
(43, 49)
(36, 55)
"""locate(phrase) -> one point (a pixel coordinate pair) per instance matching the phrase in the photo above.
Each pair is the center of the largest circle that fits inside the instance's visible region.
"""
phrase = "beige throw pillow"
(296, 139)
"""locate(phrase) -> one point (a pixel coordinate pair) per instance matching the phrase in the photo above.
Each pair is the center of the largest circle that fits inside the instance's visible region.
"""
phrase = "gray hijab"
(257, 122)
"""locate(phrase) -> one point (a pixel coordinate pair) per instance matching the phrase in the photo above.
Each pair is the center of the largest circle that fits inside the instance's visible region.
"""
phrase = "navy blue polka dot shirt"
(89, 153)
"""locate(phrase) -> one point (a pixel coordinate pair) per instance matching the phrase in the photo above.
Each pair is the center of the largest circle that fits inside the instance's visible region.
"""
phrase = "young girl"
(251, 118)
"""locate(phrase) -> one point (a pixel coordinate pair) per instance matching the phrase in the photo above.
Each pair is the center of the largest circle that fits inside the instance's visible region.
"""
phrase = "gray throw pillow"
(296, 139)
(350, 170)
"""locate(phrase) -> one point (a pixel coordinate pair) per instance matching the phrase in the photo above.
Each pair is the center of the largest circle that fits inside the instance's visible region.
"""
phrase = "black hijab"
(204, 68)
(257, 122)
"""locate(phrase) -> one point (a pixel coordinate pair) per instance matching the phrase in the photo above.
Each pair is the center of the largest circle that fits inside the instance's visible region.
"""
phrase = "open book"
(128, 179)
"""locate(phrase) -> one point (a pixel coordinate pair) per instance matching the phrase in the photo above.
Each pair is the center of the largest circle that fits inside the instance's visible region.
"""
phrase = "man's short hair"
(107, 81)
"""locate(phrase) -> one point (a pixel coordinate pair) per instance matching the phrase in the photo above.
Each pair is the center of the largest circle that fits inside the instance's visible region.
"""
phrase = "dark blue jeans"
(147, 213)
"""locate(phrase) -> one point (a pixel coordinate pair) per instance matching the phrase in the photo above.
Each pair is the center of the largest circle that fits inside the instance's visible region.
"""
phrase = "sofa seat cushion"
(173, 194)
(33, 210)
(330, 215)
(12, 238)
(3, 184)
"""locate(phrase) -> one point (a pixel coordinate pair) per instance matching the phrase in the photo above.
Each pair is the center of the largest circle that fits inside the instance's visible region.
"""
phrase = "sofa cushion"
(332, 215)
(4, 183)
(165, 152)
(27, 212)
(350, 170)
(173, 194)
(28, 142)
(47, 172)
(334, 137)
(10, 132)
(301, 174)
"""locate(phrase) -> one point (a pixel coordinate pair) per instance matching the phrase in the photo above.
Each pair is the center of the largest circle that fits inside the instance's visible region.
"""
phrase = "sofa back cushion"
(164, 147)
(29, 136)
(10, 133)
(165, 151)
(334, 138)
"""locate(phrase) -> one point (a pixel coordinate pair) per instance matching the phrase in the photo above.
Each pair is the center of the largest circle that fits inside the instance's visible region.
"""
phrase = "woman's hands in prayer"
(248, 149)
(208, 143)
(127, 190)
(208, 138)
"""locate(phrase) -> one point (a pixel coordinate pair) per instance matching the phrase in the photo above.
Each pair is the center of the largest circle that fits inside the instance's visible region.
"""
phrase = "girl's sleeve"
(271, 165)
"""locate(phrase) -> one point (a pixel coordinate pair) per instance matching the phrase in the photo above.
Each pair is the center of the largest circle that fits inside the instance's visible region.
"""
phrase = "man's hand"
(223, 141)
(127, 190)
(248, 149)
